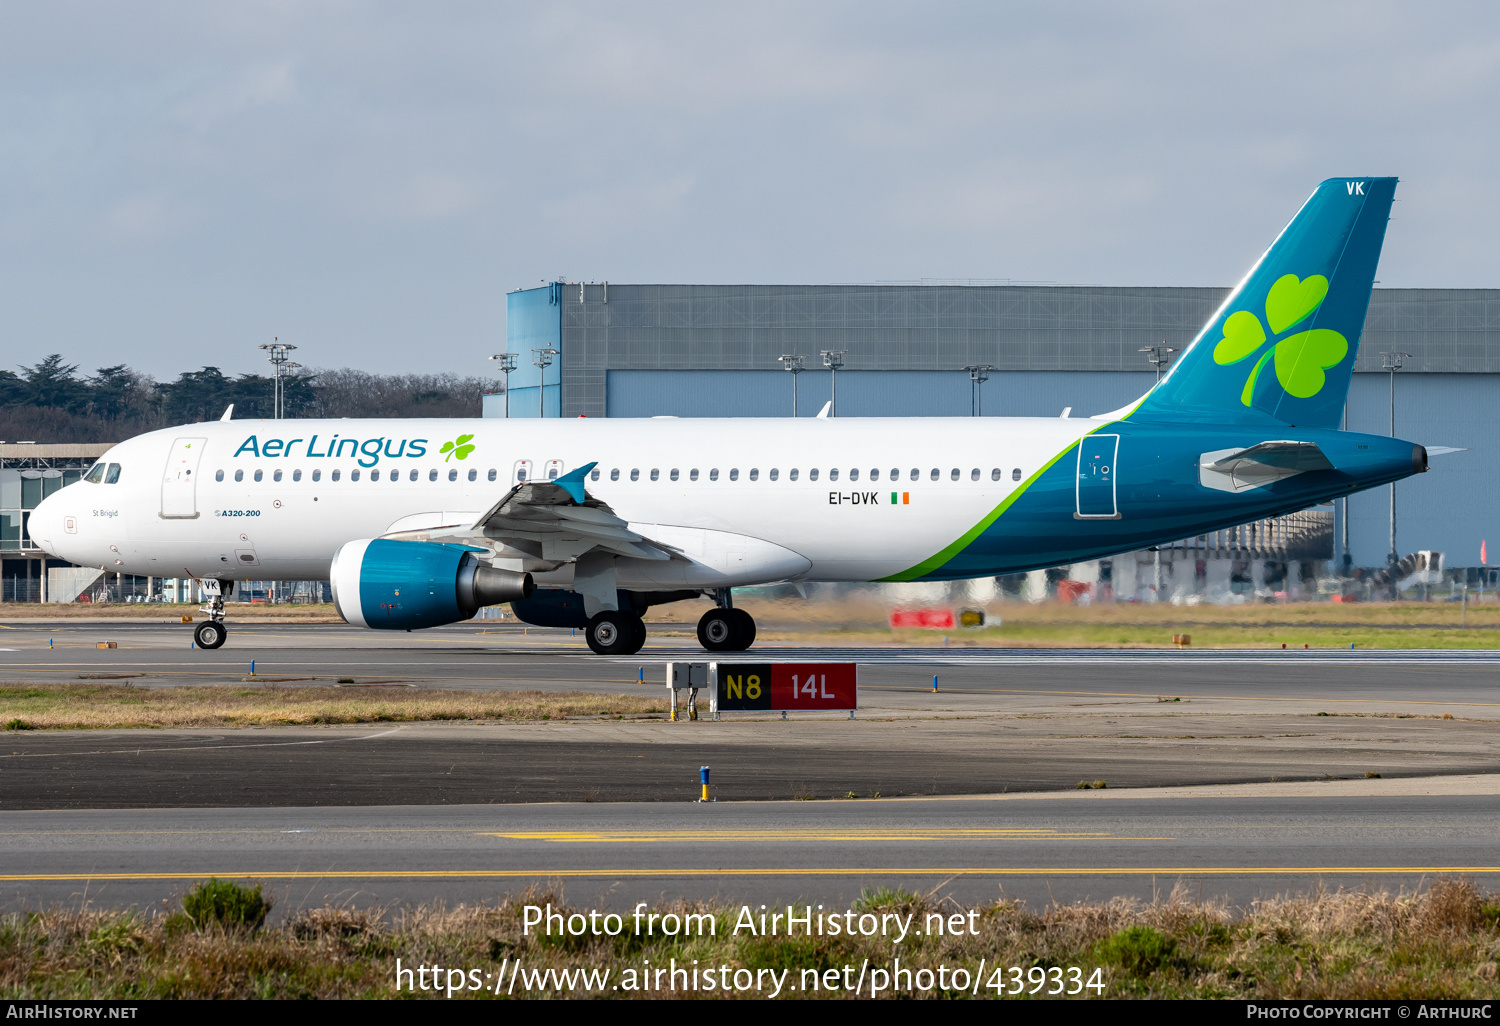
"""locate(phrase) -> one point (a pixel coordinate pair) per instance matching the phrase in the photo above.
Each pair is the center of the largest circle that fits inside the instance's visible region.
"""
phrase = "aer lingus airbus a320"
(586, 523)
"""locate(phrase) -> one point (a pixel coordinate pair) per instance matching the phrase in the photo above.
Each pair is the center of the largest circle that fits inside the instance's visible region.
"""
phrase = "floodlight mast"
(794, 363)
(507, 364)
(543, 359)
(979, 373)
(1391, 362)
(1159, 356)
(833, 359)
(278, 357)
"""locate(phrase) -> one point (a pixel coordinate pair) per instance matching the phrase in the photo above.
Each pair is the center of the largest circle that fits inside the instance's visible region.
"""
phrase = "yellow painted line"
(512, 874)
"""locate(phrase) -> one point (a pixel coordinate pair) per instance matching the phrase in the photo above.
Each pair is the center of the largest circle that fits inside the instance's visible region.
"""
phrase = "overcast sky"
(181, 182)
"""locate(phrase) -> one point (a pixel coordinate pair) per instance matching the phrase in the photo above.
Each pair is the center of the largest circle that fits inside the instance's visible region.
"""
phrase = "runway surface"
(1235, 845)
(390, 813)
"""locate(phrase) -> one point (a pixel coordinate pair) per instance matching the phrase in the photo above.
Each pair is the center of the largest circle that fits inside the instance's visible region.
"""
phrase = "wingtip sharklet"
(572, 481)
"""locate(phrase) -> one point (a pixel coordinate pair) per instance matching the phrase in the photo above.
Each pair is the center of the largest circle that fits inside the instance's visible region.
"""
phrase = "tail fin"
(1282, 346)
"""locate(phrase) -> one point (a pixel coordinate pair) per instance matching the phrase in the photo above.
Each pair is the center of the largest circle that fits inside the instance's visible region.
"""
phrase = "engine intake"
(403, 585)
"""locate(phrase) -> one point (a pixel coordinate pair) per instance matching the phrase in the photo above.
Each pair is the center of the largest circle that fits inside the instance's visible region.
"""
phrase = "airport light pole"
(793, 362)
(507, 364)
(543, 359)
(833, 359)
(1160, 357)
(277, 355)
(979, 373)
(1391, 362)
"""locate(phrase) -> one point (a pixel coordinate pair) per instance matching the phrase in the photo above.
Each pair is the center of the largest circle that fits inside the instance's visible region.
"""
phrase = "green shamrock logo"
(459, 447)
(1301, 359)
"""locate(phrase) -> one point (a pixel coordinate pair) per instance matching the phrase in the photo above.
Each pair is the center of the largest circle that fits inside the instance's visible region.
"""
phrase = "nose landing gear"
(214, 632)
(210, 634)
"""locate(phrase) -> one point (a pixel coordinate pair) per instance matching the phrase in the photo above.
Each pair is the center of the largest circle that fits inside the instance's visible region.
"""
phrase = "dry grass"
(1440, 943)
(858, 620)
(83, 706)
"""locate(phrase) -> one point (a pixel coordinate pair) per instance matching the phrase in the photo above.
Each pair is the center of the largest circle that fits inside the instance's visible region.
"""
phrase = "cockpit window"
(95, 475)
(112, 476)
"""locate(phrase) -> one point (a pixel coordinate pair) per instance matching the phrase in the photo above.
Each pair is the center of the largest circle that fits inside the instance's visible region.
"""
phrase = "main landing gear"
(615, 632)
(724, 628)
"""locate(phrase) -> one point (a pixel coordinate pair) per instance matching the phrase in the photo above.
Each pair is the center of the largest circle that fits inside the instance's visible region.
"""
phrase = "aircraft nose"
(45, 525)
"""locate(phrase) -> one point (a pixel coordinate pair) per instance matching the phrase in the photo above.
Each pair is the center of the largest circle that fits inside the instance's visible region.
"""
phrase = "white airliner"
(586, 523)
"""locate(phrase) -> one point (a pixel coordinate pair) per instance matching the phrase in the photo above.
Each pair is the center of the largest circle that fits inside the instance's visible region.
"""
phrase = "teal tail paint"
(1281, 348)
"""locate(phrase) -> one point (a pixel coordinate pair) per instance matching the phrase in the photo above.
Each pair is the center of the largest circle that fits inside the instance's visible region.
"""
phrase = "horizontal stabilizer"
(1295, 456)
(1238, 470)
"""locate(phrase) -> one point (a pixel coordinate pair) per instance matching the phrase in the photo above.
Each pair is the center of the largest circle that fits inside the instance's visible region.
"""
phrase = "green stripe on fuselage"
(934, 562)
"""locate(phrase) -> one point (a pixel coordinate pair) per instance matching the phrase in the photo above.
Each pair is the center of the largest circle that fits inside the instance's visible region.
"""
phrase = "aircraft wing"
(548, 523)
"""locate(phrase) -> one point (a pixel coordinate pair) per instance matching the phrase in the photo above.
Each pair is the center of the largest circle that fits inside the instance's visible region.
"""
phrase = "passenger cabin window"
(995, 474)
(432, 475)
(655, 474)
(218, 475)
(713, 475)
(296, 475)
(239, 475)
(258, 475)
(635, 473)
(473, 475)
(452, 474)
(833, 475)
(614, 475)
(593, 476)
(895, 473)
(495, 473)
(974, 474)
(317, 475)
(112, 475)
(353, 475)
(792, 474)
(276, 475)
(693, 474)
(936, 473)
(675, 474)
(96, 475)
(1015, 475)
(954, 475)
(414, 473)
(915, 473)
(734, 473)
(774, 474)
(334, 476)
(374, 475)
(874, 473)
(812, 475)
(854, 474)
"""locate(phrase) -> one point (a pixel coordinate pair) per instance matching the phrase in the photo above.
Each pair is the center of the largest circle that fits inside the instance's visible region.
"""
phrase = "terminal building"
(611, 350)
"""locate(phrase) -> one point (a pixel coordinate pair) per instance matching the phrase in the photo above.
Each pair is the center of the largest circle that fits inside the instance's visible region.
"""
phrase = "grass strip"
(1440, 943)
(96, 706)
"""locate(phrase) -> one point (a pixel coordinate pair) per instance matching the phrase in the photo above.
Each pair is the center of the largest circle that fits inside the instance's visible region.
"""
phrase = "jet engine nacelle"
(403, 585)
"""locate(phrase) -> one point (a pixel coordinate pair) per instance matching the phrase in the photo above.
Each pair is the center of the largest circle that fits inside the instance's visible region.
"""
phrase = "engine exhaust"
(480, 585)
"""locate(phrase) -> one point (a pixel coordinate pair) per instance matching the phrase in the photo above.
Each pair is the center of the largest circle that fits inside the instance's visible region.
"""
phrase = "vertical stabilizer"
(1281, 348)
